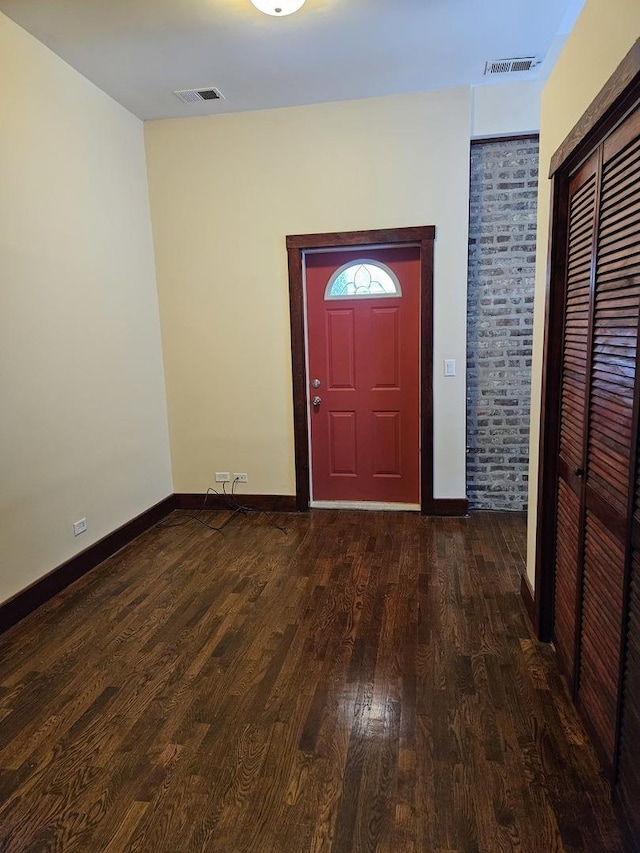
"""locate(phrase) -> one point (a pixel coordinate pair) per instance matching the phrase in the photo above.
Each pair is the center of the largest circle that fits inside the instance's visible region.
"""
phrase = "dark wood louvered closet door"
(613, 371)
(582, 208)
(621, 245)
(596, 430)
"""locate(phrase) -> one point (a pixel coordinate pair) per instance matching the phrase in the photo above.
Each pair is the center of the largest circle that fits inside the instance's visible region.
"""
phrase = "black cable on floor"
(237, 507)
(196, 516)
(231, 504)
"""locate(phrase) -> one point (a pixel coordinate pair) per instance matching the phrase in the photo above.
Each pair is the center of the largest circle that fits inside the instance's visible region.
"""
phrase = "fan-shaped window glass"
(363, 279)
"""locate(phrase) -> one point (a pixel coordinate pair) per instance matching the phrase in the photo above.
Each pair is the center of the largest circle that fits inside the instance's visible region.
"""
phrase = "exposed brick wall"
(502, 245)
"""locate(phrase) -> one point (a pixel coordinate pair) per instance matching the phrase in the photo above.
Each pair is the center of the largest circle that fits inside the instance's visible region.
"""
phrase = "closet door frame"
(619, 96)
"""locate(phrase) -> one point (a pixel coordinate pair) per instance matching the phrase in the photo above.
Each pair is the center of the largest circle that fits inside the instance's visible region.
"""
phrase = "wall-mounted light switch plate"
(449, 367)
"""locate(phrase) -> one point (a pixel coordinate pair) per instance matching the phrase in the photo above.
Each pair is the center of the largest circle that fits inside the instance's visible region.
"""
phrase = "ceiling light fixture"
(278, 8)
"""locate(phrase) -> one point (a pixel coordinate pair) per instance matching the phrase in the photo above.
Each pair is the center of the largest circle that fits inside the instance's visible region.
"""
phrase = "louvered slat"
(600, 631)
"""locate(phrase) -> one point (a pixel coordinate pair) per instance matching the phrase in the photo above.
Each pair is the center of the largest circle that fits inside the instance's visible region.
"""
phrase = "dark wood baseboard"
(457, 507)
(29, 599)
(528, 598)
(263, 503)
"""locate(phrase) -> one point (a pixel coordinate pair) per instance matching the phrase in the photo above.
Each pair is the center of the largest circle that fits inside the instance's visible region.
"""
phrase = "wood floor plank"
(364, 682)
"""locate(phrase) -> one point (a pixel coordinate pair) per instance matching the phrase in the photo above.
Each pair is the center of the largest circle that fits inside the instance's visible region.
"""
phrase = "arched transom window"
(363, 279)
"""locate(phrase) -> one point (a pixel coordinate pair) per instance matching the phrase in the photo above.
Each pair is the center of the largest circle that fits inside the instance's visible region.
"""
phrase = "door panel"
(386, 364)
(617, 300)
(365, 353)
(386, 444)
(340, 352)
(566, 578)
(616, 307)
(343, 453)
(600, 630)
(582, 216)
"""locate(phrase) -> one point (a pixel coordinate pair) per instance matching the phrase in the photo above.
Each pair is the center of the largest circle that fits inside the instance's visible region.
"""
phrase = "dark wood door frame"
(620, 94)
(297, 245)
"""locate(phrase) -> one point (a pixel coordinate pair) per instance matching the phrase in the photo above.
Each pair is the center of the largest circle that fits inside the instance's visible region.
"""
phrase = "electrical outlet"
(241, 478)
(223, 476)
(79, 526)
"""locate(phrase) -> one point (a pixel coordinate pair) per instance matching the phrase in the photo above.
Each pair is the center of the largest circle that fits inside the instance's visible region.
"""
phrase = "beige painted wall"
(83, 427)
(603, 34)
(225, 191)
(506, 108)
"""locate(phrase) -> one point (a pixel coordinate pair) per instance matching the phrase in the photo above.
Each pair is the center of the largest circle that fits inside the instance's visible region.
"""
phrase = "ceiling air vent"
(193, 96)
(511, 66)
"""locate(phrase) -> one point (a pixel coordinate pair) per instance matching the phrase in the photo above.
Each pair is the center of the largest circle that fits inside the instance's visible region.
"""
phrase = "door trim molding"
(297, 245)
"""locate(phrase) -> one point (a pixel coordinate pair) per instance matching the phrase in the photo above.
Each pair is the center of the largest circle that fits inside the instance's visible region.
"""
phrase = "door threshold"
(368, 505)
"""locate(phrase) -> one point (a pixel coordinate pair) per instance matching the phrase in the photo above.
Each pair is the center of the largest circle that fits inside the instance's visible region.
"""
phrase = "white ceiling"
(139, 51)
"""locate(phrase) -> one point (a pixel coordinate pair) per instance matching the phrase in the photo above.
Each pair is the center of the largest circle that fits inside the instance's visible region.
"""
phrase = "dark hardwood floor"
(366, 682)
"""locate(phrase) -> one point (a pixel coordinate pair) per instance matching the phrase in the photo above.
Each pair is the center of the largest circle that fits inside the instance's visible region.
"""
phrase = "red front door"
(364, 374)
